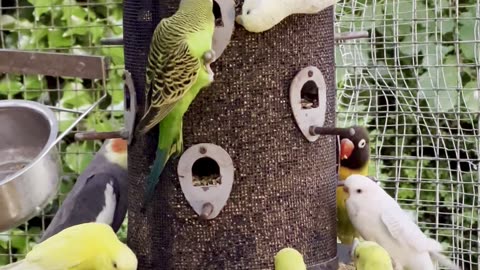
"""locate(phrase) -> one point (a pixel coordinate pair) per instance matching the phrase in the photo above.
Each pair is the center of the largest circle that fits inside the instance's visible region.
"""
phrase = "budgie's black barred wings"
(171, 70)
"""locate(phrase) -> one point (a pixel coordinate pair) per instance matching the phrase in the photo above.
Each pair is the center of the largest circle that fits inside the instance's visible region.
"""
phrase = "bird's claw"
(209, 57)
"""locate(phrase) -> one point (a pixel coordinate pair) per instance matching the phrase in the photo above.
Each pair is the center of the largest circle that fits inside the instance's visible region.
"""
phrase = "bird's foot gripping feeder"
(206, 173)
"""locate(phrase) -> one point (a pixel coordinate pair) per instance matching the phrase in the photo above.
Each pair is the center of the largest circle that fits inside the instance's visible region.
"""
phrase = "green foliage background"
(432, 86)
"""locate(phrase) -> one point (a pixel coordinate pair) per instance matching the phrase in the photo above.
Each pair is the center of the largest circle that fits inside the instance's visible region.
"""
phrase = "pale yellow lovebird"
(87, 246)
(368, 255)
(289, 259)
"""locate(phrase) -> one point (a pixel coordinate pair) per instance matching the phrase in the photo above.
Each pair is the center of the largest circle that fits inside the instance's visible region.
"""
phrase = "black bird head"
(354, 148)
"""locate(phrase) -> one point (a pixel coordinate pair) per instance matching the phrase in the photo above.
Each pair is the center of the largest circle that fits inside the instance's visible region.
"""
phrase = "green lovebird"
(178, 68)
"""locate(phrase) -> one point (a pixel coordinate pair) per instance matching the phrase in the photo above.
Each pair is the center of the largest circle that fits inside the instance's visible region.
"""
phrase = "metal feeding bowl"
(29, 164)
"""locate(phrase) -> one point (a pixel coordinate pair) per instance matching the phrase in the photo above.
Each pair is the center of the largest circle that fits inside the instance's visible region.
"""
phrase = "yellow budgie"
(369, 255)
(289, 259)
(87, 246)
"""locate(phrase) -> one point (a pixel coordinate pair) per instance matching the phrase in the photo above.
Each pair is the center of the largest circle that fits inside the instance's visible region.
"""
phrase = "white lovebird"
(379, 218)
(261, 15)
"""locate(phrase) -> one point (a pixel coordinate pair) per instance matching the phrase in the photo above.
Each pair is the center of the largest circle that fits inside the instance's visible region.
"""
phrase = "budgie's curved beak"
(239, 20)
(346, 148)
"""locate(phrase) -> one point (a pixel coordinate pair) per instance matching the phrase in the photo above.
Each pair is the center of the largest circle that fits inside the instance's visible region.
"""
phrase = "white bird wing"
(404, 230)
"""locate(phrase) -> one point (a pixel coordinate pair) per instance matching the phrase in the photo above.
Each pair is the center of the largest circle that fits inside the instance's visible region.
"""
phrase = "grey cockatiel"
(100, 193)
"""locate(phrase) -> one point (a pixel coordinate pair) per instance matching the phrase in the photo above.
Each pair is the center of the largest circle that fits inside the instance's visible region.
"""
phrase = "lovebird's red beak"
(346, 148)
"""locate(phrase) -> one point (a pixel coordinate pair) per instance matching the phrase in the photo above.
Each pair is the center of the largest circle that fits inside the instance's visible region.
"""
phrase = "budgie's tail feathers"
(153, 177)
(443, 260)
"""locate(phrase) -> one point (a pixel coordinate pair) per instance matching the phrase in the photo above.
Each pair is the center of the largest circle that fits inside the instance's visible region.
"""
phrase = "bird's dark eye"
(359, 191)
(362, 143)
(115, 265)
(358, 256)
(248, 12)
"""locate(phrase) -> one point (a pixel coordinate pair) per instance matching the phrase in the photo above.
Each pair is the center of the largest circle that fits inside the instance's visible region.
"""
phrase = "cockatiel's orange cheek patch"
(119, 145)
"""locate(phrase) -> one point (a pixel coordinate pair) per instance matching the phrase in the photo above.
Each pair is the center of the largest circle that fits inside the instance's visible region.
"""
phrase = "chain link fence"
(414, 83)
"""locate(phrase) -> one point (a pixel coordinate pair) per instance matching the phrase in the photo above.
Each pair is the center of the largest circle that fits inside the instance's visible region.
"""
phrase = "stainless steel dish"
(29, 163)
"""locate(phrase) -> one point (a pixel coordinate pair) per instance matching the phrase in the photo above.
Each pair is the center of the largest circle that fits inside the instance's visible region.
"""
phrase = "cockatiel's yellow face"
(116, 152)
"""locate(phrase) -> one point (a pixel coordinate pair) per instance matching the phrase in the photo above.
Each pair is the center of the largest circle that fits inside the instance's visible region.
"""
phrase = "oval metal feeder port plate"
(308, 99)
(206, 199)
(223, 32)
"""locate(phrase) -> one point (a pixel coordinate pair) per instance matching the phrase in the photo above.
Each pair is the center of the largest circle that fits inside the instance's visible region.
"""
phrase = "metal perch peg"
(130, 108)
(316, 130)
(93, 135)
(112, 41)
(351, 35)
(207, 210)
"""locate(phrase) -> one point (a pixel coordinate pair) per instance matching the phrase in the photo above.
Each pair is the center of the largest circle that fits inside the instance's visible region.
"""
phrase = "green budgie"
(289, 259)
(368, 255)
(178, 68)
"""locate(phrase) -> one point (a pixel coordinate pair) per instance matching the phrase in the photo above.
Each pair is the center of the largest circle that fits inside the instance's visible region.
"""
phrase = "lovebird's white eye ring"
(362, 143)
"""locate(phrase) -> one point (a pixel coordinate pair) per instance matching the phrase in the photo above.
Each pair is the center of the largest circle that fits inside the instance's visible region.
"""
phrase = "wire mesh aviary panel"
(64, 26)
(415, 84)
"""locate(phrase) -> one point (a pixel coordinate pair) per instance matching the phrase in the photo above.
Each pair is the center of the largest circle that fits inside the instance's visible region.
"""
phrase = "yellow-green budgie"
(87, 246)
(368, 255)
(178, 68)
(354, 159)
(289, 259)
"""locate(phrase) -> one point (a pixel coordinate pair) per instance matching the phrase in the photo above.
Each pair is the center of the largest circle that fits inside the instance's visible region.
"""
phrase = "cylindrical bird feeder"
(278, 187)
